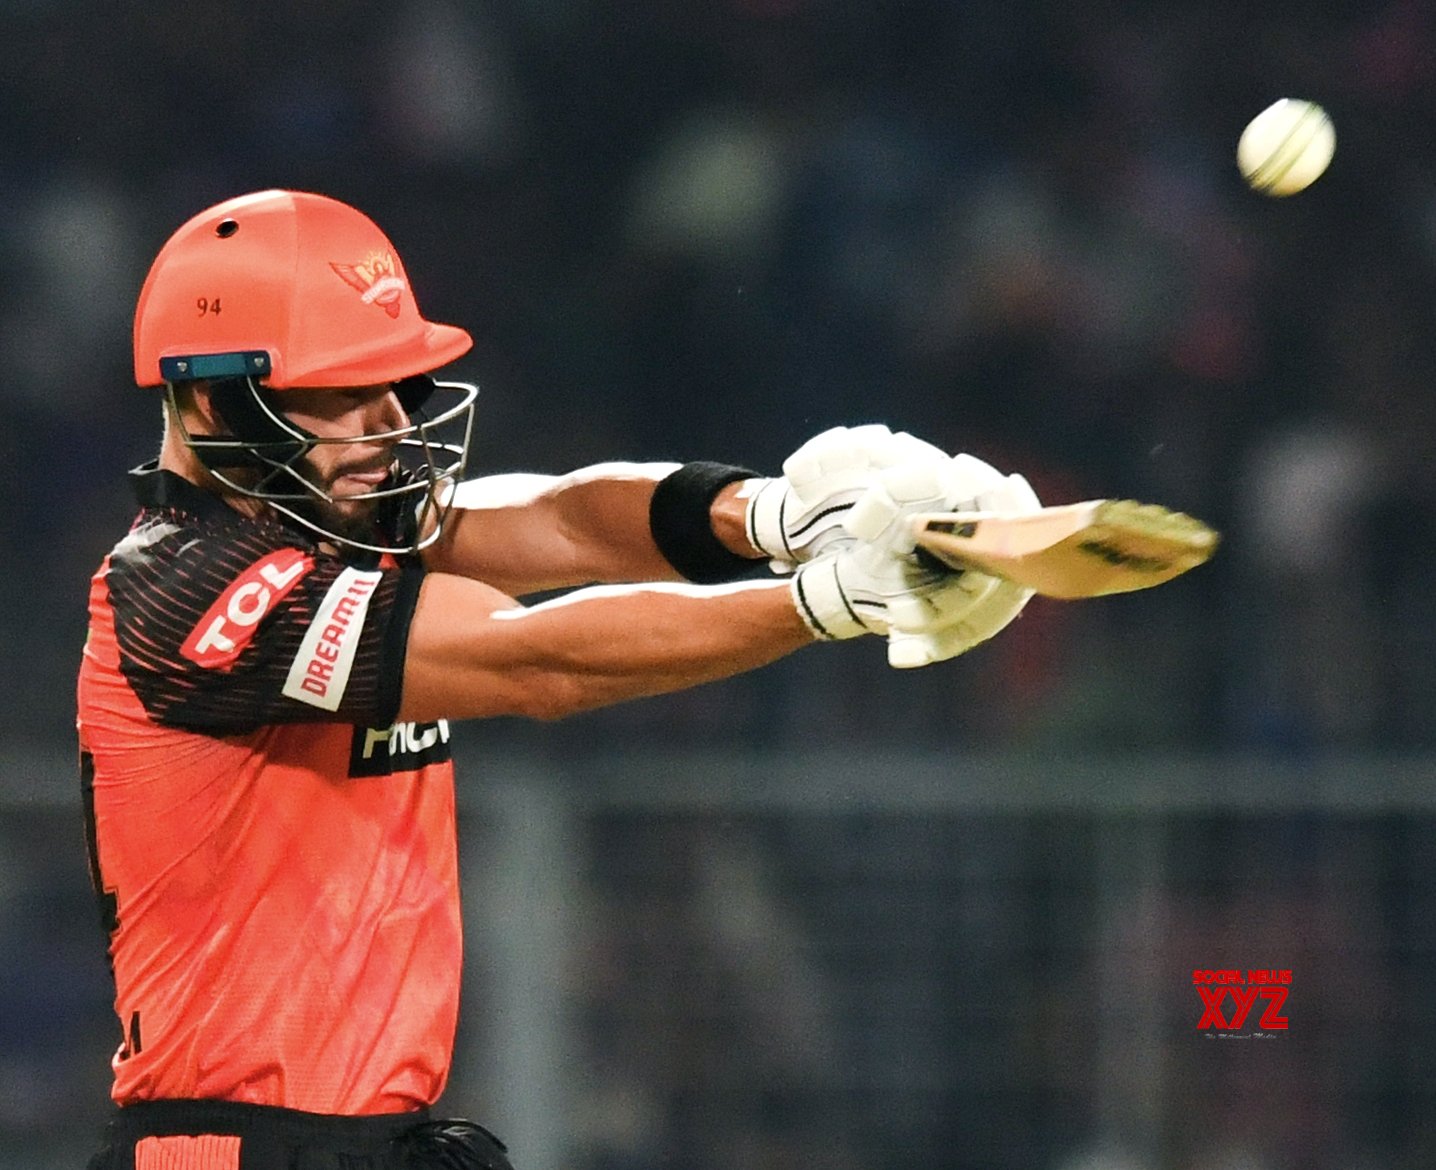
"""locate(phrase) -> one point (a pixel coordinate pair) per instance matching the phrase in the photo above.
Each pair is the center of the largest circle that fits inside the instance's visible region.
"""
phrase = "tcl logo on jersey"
(229, 624)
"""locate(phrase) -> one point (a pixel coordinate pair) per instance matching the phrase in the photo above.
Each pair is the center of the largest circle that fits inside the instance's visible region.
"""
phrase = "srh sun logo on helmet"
(377, 279)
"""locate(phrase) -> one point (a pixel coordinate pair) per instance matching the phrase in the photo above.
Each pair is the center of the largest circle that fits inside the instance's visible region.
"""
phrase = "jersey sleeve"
(227, 632)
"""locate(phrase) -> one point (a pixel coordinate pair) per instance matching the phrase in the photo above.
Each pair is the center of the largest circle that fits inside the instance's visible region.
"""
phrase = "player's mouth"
(355, 481)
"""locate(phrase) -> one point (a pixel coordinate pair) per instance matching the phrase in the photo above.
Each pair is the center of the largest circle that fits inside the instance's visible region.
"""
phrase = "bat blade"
(1071, 551)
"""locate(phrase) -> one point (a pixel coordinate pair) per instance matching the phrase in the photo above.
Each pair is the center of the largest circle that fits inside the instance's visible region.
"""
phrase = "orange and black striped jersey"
(275, 856)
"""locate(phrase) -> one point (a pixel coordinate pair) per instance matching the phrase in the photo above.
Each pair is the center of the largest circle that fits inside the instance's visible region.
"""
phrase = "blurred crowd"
(709, 231)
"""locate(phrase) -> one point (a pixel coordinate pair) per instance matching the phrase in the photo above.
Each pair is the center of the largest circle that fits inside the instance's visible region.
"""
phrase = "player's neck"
(176, 457)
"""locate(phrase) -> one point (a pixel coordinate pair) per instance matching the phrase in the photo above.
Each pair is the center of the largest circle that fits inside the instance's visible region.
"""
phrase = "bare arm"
(525, 533)
(473, 652)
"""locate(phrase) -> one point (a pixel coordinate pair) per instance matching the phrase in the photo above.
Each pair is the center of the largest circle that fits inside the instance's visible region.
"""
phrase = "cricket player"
(311, 591)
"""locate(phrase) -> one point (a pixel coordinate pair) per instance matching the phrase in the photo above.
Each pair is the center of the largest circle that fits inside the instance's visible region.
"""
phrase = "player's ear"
(178, 403)
(195, 401)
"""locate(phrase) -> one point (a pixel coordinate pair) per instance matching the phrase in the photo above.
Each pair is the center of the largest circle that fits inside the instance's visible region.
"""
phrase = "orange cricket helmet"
(287, 289)
(294, 288)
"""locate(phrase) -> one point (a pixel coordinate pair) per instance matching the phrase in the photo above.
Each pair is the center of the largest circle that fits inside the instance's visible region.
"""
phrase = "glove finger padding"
(945, 605)
(959, 484)
(967, 609)
(799, 516)
(879, 515)
(987, 490)
(955, 620)
(848, 593)
(872, 515)
(838, 454)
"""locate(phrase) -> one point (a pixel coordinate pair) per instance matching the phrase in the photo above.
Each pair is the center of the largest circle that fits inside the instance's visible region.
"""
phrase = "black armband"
(679, 516)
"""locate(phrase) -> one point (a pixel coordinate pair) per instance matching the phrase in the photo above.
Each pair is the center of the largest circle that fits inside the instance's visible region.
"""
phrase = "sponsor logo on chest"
(379, 751)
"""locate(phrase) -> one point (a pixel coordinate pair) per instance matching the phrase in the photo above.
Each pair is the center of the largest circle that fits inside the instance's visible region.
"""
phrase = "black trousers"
(228, 1135)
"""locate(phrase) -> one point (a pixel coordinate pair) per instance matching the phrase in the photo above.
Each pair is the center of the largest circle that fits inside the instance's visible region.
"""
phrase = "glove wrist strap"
(765, 520)
(819, 599)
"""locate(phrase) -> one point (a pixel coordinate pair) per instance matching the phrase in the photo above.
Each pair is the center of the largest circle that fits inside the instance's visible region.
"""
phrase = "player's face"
(345, 470)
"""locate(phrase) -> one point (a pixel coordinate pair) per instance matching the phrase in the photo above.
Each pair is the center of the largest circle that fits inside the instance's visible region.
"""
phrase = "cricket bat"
(1071, 550)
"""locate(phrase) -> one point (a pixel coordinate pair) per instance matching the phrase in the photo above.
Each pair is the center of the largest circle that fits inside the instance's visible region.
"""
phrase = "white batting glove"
(952, 620)
(799, 515)
(847, 592)
(877, 583)
(963, 611)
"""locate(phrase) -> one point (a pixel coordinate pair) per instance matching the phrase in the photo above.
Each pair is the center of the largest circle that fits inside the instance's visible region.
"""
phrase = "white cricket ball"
(1286, 147)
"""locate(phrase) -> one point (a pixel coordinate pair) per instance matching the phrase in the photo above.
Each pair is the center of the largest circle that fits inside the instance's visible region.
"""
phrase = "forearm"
(592, 648)
(525, 533)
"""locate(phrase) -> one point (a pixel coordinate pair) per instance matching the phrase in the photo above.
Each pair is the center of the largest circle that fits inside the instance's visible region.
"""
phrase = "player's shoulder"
(194, 581)
(188, 547)
(225, 623)
(166, 544)
(182, 524)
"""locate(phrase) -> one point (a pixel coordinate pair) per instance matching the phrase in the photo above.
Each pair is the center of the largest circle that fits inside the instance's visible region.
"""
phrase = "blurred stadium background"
(829, 914)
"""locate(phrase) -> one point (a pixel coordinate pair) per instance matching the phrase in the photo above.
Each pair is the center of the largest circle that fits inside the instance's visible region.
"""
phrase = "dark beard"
(392, 520)
(362, 520)
(361, 525)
